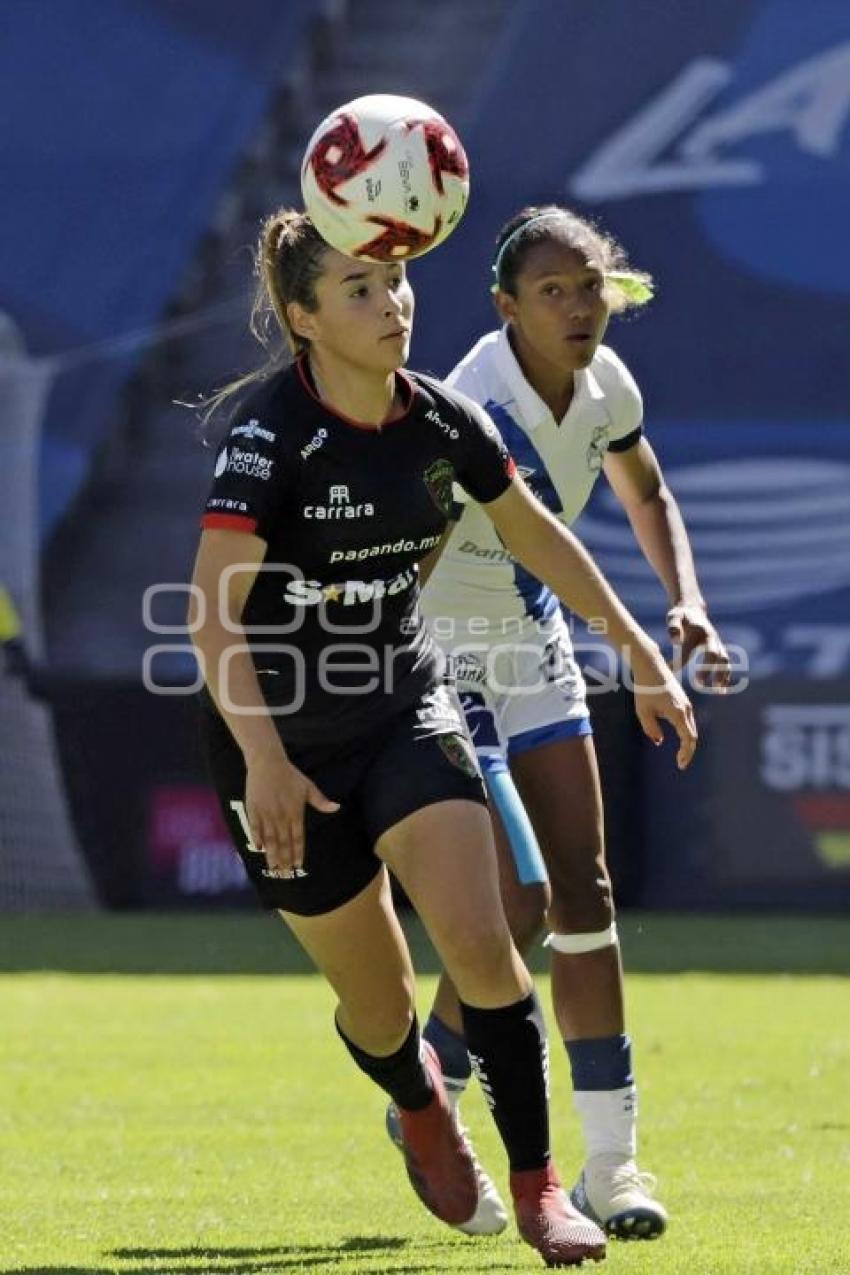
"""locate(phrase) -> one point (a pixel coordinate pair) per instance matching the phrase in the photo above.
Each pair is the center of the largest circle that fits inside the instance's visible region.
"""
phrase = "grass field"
(174, 1099)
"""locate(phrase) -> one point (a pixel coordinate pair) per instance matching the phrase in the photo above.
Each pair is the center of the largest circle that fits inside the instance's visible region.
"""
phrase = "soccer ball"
(385, 178)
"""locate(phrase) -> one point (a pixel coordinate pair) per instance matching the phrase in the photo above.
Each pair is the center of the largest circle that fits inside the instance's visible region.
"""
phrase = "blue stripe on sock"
(605, 1063)
(450, 1047)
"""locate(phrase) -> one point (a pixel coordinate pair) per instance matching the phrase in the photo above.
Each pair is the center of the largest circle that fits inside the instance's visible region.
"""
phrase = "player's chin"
(394, 351)
(581, 354)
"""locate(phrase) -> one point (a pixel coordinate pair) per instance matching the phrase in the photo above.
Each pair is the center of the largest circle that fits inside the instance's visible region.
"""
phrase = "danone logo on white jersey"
(253, 429)
(310, 593)
(339, 506)
(482, 551)
(234, 460)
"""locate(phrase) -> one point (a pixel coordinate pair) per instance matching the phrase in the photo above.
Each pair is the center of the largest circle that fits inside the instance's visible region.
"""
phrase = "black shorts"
(417, 758)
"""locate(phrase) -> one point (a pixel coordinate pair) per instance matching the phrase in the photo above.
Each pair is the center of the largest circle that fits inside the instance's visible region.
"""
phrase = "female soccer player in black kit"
(336, 749)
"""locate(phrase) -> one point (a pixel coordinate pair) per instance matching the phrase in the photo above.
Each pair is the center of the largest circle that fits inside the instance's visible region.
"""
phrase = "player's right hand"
(659, 697)
(276, 793)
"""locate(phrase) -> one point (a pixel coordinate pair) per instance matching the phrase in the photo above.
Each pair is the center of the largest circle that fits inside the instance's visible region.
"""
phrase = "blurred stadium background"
(145, 138)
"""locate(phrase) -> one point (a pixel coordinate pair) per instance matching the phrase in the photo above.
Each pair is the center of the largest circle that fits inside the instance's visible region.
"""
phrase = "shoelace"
(463, 1134)
(628, 1175)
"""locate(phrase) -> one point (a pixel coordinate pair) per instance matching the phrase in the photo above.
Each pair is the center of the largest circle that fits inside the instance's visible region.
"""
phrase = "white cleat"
(490, 1216)
(614, 1193)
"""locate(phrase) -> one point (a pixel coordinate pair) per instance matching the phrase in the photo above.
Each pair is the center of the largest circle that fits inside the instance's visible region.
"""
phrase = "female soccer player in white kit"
(568, 409)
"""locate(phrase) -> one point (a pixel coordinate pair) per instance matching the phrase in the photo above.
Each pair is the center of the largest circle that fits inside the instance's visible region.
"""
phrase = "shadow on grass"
(211, 944)
(266, 1259)
(355, 1244)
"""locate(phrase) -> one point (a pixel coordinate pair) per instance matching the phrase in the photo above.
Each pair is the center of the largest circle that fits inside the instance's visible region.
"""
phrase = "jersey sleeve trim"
(229, 522)
(628, 440)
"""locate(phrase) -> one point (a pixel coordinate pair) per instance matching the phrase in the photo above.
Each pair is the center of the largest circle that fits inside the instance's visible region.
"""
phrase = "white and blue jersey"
(501, 627)
(560, 460)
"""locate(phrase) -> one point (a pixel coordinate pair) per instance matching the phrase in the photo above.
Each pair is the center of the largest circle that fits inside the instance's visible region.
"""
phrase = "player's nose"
(393, 304)
(580, 306)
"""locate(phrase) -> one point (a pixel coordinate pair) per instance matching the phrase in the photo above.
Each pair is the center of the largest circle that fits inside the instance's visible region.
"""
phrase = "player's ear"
(302, 322)
(505, 305)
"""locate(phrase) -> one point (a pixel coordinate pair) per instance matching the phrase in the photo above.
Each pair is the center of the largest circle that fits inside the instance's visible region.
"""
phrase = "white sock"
(608, 1120)
(455, 1088)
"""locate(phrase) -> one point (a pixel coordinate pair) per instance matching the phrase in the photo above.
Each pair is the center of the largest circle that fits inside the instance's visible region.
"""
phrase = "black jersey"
(347, 511)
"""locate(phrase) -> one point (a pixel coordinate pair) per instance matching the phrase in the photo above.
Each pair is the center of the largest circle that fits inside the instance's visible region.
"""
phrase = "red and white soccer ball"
(385, 178)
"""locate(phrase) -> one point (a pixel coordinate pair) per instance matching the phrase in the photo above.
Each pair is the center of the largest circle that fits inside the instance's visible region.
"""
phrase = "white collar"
(533, 410)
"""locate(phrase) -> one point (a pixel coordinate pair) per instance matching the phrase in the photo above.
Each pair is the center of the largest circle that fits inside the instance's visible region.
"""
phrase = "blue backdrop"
(122, 124)
(714, 141)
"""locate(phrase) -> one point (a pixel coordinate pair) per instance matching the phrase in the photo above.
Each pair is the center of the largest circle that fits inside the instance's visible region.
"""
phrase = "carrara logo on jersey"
(339, 506)
(310, 593)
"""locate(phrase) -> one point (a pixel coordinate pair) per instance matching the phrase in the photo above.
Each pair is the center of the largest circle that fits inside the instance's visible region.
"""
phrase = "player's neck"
(555, 386)
(369, 398)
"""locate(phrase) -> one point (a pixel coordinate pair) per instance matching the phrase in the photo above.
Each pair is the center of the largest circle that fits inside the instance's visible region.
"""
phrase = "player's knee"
(525, 909)
(379, 1027)
(480, 952)
(582, 902)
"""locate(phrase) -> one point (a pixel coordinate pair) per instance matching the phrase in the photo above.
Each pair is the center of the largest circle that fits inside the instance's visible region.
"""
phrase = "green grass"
(168, 1102)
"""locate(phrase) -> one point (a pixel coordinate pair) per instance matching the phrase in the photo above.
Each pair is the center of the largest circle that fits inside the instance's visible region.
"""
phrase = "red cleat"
(548, 1222)
(439, 1165)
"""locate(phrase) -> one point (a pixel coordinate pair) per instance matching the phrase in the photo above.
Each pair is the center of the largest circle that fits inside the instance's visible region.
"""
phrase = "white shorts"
(519, 692)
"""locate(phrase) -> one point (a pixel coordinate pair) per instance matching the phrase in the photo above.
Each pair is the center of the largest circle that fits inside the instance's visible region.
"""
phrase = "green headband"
(632, 286)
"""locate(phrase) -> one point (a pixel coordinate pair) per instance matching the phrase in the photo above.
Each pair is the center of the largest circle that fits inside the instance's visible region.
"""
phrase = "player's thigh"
(362, 952)
(559, 785)
(444, 858)
(424, 800)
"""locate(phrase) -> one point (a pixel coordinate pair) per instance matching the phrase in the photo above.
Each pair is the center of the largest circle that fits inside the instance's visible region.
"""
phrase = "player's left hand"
(691, 631)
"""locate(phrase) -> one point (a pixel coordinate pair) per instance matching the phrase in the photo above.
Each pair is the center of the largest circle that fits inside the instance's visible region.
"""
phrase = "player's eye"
(594, 283)
(396, 281)
(360, 291)
(551, 290)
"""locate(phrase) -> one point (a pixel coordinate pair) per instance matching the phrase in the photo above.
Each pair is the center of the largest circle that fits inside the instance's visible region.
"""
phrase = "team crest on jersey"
(597, 448)
(438, 478)
(460, 753)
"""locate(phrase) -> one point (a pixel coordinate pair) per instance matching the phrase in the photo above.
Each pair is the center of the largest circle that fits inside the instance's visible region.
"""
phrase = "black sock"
(510, 1056)
(402, 1075)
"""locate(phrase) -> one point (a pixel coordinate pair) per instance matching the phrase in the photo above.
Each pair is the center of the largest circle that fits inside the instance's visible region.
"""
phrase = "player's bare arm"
(549, 550)
(638, 483)
(276, 791)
